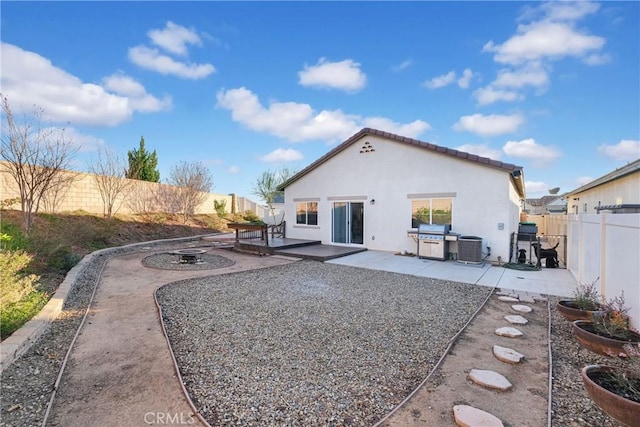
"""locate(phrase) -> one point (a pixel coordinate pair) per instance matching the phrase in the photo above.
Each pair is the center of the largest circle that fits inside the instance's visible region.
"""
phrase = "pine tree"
(143, 165)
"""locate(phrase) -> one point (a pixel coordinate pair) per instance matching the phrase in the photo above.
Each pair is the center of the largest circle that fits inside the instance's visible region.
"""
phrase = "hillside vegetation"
(33, 266)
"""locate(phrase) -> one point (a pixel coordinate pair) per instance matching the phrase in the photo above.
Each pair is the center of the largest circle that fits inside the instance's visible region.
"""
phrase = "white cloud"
(152, 59)
(83, 143)
(509, 83)
(174, 38)
(403, 65)
(282, 155)
(137, 94)
(583, 180)
(597, 59)
(535, 187)
(529, 149)
(481, 150)
(490, 125)
(464, 81)
(544, 40)
(449, 78)
(551, 34)
(344, 75)
(29, 79)
(489, 94)
(410, 130)
(299, 122)
(531, 74)
(440, 81)
(627, 149)
(568, 11)
(233, 170)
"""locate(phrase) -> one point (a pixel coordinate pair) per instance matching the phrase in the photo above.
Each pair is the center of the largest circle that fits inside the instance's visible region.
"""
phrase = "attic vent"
(367, 148)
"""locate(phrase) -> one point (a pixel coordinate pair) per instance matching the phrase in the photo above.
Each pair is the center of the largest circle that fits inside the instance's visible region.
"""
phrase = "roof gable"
(611, 176)
(515, 171)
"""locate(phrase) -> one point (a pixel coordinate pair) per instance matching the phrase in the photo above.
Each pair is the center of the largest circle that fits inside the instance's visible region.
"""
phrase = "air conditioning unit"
(470, 249)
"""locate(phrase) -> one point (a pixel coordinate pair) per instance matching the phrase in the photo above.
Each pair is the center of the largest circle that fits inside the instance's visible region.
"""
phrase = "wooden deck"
(298, 248)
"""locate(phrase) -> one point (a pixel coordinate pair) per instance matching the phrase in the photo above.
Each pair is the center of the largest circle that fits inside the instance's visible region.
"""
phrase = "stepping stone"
(508, 332)
(540, 298)
(507, 355)
(508, 299)
(468, 416)
(503, 294)
(522, 308)
(489, 379)
(516, 319)
(527, 298)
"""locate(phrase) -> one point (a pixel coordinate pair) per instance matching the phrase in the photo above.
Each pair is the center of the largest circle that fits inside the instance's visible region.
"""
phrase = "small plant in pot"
(586, 300)
(616, 390)
(608, 331)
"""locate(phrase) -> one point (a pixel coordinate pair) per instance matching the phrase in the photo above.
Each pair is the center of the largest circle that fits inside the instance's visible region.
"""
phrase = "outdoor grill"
(432, 242)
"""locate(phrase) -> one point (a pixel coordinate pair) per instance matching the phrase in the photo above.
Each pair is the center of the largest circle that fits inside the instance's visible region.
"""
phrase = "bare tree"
(192, 181)
(35, 157)
(109, 176)
(266, 186)
(60, 185)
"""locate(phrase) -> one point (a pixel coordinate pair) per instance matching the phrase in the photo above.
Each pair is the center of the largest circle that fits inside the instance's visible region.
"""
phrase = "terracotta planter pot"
(606, 346)
(621, 409)
(568, 310)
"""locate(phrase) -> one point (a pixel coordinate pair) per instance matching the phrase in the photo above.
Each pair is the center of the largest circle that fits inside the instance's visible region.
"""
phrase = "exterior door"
(347, 222)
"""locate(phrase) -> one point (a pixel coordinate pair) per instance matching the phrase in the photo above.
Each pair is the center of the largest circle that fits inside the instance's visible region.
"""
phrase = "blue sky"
(245, 87)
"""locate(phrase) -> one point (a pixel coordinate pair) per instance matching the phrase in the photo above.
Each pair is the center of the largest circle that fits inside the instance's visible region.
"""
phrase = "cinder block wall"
(82, 193)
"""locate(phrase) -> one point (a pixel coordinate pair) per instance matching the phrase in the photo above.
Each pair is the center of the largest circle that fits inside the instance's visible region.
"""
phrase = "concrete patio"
(556, 281)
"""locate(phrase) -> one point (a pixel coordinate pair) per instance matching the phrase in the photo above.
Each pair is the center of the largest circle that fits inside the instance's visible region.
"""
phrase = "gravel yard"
(352, 342)
(571, 405)
(310, 343)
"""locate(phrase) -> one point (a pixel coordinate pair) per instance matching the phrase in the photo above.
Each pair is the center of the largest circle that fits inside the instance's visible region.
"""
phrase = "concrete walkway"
(121, 370)
(550, 281)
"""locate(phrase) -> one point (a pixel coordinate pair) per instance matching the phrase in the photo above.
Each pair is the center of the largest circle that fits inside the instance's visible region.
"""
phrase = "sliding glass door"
(348, 222)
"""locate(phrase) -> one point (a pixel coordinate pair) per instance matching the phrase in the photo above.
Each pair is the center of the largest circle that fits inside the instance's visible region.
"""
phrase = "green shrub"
(62, 259)
(221, 207)
(12, 237)
(13, 316)
(250, 216)
(14, 284)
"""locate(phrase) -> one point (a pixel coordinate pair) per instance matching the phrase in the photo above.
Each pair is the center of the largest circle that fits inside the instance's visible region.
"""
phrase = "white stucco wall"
(483, 196)
(625, 190)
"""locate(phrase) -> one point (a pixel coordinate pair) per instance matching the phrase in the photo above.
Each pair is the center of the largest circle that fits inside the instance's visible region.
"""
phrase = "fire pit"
(189, 256)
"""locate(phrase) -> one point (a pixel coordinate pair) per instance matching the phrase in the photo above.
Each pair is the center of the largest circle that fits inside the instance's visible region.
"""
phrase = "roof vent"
(367, 148)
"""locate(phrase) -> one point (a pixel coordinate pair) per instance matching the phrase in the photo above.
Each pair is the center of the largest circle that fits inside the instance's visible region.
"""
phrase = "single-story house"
(615, 192)
(375, 188)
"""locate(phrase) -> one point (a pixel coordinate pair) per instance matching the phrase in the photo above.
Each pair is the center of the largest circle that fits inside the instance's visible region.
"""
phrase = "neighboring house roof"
(516, 171)
(612, 176)
(546, 204)
(542, 201)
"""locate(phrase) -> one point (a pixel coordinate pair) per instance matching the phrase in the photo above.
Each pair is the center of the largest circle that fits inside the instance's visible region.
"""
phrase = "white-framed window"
(307, 213)
(431, 211)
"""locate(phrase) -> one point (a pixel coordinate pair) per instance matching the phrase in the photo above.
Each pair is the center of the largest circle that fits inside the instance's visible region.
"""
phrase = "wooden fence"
(555, 225)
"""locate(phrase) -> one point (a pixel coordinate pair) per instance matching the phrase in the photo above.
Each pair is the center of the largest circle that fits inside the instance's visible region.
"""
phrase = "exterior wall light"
(372, 202)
